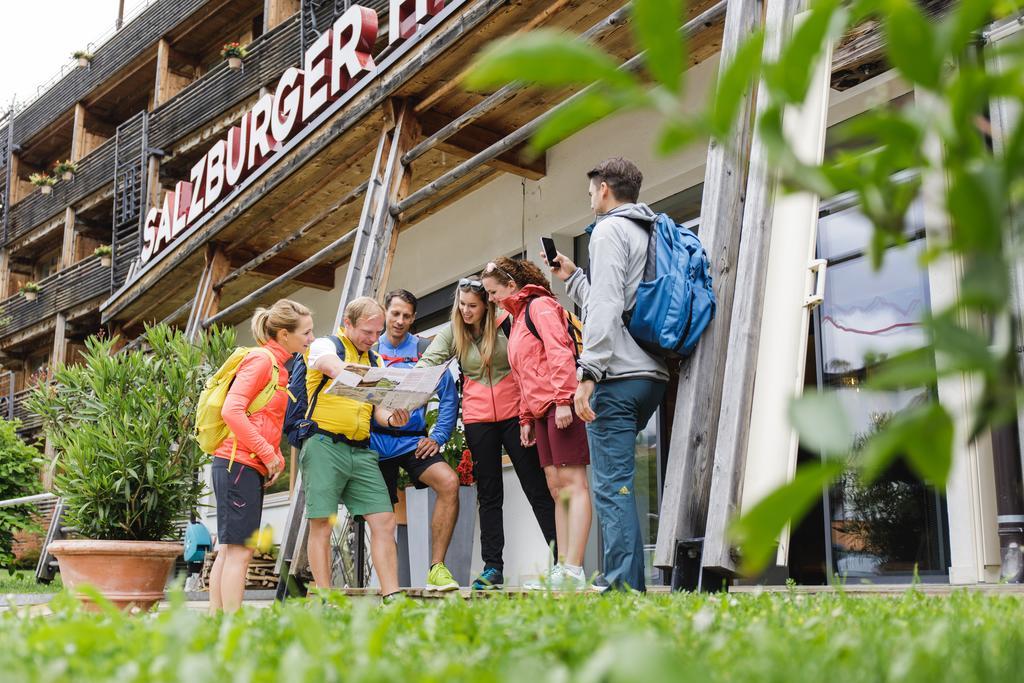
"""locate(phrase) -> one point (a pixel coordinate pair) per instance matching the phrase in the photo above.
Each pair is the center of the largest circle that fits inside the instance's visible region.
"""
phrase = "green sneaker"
(440, 579)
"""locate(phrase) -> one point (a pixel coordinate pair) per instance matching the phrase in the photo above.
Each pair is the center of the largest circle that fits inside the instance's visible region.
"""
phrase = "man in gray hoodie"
(621, 385)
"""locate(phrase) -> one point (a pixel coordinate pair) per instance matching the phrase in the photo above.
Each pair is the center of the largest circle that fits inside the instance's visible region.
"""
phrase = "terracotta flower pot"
(30, 296)
(68, 175)
(234, 63)
(128, 573)
(46, 189)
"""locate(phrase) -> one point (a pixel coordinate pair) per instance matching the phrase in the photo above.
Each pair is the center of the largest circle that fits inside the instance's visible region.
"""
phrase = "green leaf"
(910, 369)
(734, 83)
(656, 27)
(545, 57)
(790, 77)
(923, 434)
(585, 109)
(821, 422)
(912, 44)
(756, 533)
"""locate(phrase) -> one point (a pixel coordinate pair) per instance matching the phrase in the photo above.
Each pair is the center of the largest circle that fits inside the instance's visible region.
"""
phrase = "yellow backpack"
(211, 430)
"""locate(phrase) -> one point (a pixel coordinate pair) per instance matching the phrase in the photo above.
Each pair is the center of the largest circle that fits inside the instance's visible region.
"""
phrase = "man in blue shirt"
(411, 447)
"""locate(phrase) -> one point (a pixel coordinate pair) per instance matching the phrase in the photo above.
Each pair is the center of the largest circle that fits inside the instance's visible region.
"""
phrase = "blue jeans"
(623, 408)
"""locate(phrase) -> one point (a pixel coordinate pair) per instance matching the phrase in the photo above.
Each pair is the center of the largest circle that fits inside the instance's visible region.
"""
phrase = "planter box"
(128, 573)
(420, 510)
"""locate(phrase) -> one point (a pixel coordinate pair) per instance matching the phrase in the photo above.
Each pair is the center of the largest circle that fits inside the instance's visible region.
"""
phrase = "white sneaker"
(549, 581)
(572, 580)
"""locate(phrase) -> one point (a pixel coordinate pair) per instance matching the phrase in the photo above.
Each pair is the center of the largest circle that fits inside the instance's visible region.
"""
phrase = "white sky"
(37, 37)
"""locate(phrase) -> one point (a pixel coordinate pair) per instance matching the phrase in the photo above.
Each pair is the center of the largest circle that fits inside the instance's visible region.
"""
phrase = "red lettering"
(149, 234)
(260, 141)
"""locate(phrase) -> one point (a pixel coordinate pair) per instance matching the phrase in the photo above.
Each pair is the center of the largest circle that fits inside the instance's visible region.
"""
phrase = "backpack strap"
(339, 348)
(528, 320)
(422, 345)
(533, 328)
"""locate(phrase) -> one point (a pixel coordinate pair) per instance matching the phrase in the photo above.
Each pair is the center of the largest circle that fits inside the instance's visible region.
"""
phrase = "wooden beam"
(318, 277)
(5, 273)
(521, 135)
(18, 186)
(472, 139)
(695, 425)
(276, 12)
(206, 302)
(69, 240)
(730, 448)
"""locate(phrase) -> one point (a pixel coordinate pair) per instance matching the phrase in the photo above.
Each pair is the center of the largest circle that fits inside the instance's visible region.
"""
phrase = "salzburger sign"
(332, 64)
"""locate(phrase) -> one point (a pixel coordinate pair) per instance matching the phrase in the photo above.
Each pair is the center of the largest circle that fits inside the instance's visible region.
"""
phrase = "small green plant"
(82, 56)
(103, 250)
(29, 288)
(235, 50)
(19, 476)
(121, 428)
(42, 180)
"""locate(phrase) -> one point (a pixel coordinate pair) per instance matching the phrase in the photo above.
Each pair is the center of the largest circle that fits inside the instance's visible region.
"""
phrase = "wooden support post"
(60, 344)
(276, 12)
(207, 299)
(745, 328)
(5, 273)
(168, 81)
(691, 448)
(78, 133)
(70, 240)
(19, 187)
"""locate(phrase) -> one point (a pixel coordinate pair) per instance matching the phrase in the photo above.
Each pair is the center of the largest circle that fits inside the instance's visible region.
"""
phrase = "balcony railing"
(116, 53)
(94, 171)
(82, 282)
(29, 420)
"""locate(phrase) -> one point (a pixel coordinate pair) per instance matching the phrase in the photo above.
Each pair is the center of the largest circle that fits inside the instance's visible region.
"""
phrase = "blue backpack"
(297, 426)
(674, 301)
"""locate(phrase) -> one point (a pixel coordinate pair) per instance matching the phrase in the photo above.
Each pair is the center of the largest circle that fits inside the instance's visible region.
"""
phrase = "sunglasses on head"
(493, 267)
(465, 283)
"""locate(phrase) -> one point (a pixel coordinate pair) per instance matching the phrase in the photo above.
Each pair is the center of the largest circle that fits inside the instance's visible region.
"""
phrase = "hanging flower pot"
(66, 169)
(234, 53)
(43, 181)
(29, 290)
(84, 58)
(105, 253)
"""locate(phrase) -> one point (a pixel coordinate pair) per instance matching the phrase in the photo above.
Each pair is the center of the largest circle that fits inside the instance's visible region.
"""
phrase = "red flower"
(465, 469)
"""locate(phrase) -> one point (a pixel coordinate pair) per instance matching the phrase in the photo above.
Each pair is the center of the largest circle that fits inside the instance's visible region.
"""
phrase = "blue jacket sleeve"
(447, 411)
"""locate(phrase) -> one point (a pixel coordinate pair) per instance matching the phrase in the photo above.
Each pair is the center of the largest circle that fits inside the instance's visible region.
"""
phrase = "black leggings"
(485, 440)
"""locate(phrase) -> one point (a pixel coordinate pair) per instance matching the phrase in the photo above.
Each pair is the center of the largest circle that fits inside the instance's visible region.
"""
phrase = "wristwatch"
(583, 374)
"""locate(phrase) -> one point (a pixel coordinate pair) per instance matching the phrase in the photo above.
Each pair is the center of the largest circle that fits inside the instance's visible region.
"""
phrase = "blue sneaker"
(490, 580)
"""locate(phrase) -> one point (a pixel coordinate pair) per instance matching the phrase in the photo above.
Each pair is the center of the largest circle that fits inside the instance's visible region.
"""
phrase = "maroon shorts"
(561, 447)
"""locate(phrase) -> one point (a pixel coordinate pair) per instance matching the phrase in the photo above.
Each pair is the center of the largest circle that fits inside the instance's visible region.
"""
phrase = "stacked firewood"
(261, 574)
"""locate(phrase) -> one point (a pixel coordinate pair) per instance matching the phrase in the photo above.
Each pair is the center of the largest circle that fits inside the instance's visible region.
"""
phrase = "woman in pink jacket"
(284, 329)
(544, 365)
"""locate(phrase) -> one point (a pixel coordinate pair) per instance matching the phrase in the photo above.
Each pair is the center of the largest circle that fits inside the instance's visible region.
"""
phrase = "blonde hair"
(362, 307)
(285, 314)
(462, 335)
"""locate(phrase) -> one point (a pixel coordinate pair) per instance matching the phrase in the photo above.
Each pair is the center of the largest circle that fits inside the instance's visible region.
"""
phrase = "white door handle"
(817, 267)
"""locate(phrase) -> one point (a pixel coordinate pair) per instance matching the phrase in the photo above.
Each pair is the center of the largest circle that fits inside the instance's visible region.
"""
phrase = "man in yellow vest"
(336, 461)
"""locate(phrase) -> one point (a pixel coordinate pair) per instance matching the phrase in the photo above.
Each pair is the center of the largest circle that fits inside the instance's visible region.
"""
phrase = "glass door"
(897, 526)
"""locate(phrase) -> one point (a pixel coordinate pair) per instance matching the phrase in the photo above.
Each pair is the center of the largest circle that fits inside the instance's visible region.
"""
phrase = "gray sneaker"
(550, 581)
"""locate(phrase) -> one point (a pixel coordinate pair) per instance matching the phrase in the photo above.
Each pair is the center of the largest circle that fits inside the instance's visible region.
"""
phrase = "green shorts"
(335, 473)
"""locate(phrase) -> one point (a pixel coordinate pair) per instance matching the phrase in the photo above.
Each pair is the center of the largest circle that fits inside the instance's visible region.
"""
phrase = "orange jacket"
(259, 434)
(544, 368)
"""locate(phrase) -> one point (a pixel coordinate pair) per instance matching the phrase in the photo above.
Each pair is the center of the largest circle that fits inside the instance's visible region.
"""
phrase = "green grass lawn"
(830, 638)
(24, 581)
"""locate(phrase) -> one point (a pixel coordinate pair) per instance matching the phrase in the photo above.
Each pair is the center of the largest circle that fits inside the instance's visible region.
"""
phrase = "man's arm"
(323, 356)
(605, 298)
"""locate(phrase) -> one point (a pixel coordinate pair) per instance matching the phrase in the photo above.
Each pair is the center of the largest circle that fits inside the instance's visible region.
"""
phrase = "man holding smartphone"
(620, 384)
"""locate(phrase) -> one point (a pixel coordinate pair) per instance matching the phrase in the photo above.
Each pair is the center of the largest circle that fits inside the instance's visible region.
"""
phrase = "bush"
(121, 425)
(19, 476)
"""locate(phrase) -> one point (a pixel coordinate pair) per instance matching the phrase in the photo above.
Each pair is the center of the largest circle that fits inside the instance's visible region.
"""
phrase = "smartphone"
(549, 250)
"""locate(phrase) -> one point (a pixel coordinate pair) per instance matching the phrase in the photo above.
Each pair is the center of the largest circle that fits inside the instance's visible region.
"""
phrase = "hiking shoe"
(440, 579)
(490, 580)
(550, 581)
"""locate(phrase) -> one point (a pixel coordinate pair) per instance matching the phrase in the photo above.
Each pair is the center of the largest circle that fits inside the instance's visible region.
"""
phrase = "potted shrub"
(105, 253)
(65, 169)
(125, 460)
(29, 290)
(234, 53)
(84, 58)
(43, 181)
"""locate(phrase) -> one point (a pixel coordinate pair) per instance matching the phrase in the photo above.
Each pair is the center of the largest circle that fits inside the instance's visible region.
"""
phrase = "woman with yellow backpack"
(252, 386)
